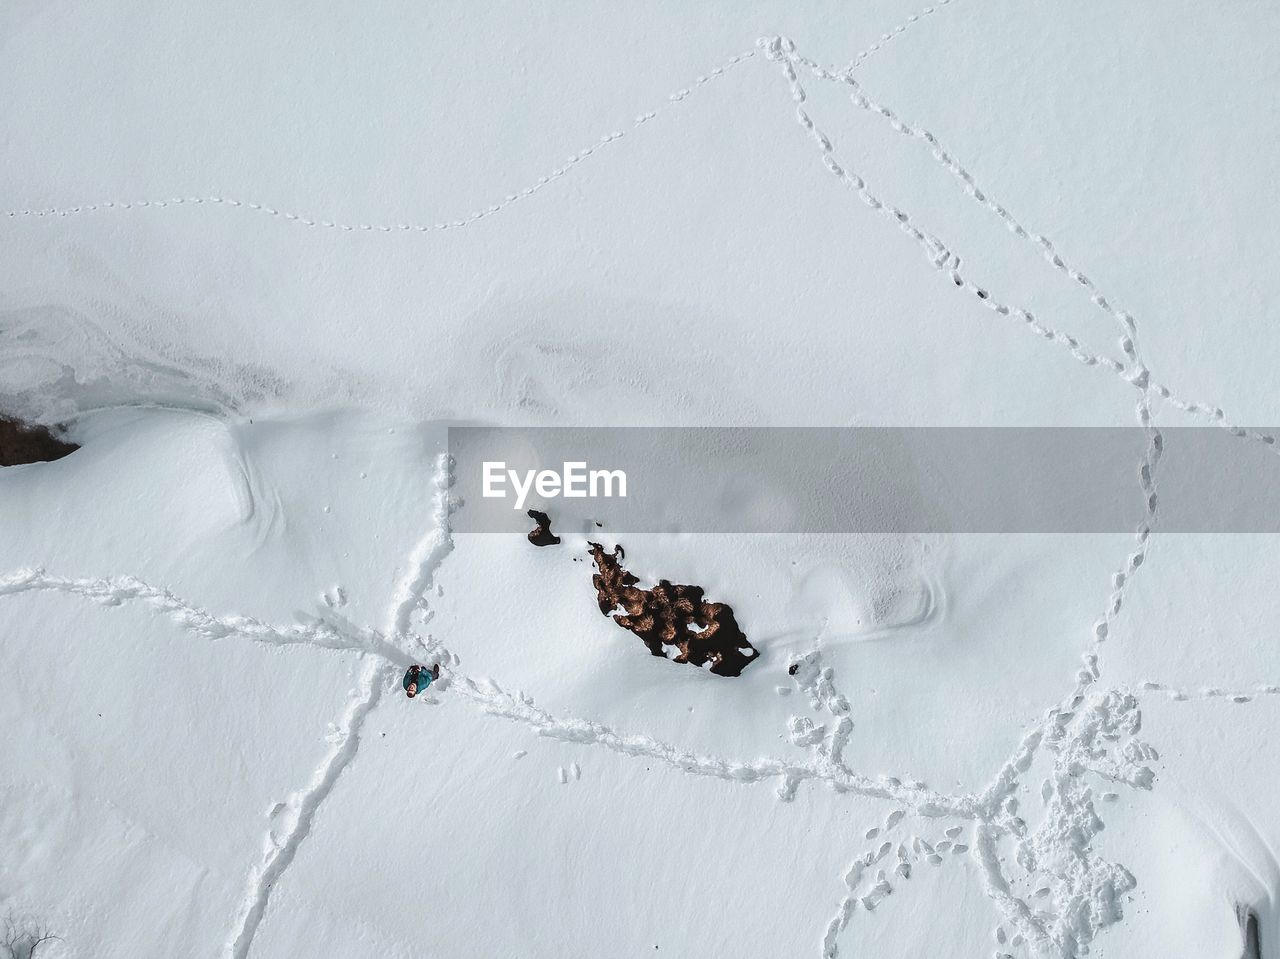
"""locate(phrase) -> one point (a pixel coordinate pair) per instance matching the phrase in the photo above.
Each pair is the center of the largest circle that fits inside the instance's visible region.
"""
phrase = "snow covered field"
(258, 258)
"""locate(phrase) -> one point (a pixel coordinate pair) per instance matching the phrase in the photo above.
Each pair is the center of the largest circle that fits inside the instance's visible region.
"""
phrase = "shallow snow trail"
(426, 558)
(899, 30)
(489, 695)
(302, 806)
(1134, 371)
(116, 591)
(868, 888)
(1238, 695)
(494, 700)
(318, 222)
(593, 149)
(782, 51)
(1087, 891)
(375, 677)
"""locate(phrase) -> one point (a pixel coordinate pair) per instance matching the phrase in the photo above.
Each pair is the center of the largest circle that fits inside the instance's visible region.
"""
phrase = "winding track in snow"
(1078, 922)
(593, 149)
(935, 250)
(317, 222)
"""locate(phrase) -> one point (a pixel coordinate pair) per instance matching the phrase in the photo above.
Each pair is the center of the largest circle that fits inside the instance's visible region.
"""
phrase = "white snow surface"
(259, 256)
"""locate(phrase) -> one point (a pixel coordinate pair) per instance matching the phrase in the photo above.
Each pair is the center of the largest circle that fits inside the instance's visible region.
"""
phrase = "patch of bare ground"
(541, 534)
(21, 444)
(670, 614)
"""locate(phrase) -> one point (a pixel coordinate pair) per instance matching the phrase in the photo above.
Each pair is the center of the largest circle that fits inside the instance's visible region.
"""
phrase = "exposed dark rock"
(671, 615)
(541, 534)
(20, 444)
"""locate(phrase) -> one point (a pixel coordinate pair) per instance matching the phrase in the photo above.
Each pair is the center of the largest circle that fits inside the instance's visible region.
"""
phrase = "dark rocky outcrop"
(541, 534)
(21, 444)
(670, 614)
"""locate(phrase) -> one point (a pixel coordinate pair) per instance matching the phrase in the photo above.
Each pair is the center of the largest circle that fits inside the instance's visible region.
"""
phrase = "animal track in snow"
(316, 222)
(938, 253)
(1237, 695)
(873, 876)
(576, 158)
(1090, 899)
(782, 50)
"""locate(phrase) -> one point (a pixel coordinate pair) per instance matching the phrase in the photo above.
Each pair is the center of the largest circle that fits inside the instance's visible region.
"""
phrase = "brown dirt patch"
(21, 444)
(671, 614)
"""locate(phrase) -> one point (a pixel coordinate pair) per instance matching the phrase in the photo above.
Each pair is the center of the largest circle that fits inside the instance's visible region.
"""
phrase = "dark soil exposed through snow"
(541, 534)
(21, 444)
(671, 615)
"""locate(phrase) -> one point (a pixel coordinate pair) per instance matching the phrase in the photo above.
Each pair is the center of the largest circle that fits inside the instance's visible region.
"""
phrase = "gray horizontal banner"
(859, 480)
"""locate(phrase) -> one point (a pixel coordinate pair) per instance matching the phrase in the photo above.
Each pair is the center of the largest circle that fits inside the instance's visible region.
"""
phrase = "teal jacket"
(417, 674)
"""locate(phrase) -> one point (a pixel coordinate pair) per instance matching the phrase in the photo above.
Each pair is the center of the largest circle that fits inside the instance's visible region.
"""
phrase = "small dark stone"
(791, 671)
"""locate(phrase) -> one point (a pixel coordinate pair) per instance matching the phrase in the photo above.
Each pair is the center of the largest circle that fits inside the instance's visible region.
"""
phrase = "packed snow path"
(1062, 894)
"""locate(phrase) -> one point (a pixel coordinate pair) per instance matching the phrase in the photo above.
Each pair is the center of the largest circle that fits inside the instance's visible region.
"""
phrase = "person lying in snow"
(418, 678)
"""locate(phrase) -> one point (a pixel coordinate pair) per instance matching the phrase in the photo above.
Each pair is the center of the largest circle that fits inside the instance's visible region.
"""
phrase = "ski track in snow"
(1090, 729)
